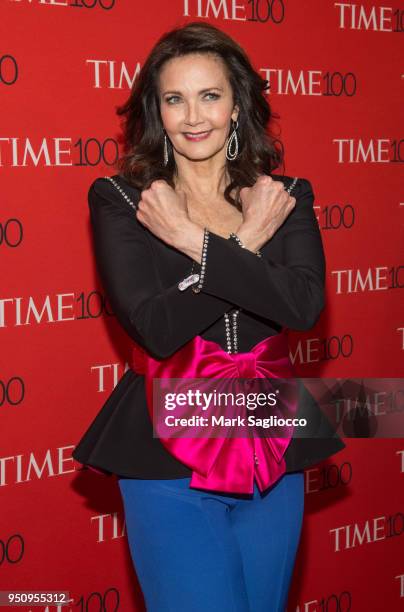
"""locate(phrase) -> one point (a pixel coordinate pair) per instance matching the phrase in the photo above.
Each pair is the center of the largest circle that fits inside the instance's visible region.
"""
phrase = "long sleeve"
(160, 320)
(291, 293)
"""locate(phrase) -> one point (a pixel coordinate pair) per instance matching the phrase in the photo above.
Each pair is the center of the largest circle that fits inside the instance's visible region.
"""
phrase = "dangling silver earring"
(165, 149)
(233, 142)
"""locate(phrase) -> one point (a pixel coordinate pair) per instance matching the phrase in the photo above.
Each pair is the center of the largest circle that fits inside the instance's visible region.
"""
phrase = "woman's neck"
(201, 184)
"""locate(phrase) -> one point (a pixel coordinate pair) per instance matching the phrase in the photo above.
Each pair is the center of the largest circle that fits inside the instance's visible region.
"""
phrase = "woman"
(207, 259)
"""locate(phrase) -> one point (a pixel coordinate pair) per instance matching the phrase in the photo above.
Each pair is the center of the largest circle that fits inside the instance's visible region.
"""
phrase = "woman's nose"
(192, 113)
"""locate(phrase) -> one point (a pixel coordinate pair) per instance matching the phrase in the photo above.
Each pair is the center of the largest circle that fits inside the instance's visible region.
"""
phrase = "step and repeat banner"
(336, 80)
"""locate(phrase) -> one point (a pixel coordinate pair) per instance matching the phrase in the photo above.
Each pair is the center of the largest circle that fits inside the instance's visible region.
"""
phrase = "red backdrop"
(336, 81)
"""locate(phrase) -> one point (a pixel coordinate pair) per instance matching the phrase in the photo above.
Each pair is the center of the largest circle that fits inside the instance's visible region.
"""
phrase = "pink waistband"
(224, 464)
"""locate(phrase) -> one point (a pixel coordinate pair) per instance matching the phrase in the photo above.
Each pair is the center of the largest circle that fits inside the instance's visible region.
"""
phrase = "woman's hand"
(164, 211)
(266, 205)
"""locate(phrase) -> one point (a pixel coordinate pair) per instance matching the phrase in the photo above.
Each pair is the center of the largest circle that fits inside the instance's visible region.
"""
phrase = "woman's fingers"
(266, 204)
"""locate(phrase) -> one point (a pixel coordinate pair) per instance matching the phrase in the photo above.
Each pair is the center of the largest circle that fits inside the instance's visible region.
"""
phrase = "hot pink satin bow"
(224, 464)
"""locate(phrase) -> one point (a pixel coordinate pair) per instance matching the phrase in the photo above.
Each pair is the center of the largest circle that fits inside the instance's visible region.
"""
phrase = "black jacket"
(140, 274)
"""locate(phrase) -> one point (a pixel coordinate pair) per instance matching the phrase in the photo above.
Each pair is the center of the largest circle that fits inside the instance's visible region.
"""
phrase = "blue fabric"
(199, 551)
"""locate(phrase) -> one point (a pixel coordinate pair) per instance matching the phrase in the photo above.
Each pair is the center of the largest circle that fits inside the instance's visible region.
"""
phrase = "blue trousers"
(195, 550)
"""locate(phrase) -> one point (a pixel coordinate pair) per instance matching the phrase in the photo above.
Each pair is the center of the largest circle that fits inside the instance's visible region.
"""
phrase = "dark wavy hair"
(142, 129)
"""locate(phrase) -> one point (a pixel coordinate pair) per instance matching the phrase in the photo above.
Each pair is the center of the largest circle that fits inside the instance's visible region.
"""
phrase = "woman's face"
(196, 96)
